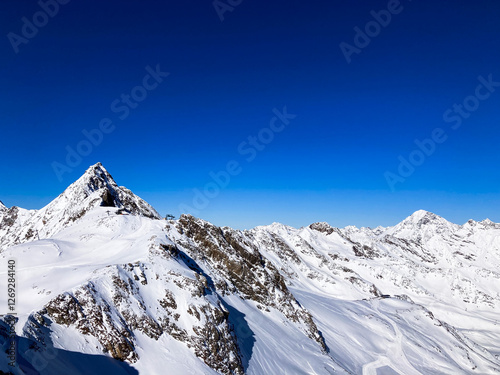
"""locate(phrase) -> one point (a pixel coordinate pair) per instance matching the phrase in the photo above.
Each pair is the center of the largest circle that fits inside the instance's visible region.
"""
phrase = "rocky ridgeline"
(237, 267)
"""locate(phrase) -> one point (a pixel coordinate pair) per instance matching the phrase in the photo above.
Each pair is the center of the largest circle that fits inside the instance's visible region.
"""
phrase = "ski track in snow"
(397, 360)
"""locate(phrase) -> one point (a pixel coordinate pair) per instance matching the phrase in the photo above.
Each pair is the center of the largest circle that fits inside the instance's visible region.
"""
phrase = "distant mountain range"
(106, 286)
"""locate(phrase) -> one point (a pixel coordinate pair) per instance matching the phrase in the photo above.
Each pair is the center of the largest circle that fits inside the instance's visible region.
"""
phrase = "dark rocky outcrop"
(241, 269)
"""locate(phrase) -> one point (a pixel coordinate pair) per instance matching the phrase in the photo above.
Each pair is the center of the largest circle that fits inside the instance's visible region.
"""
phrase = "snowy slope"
(187, 297)
(353, 264)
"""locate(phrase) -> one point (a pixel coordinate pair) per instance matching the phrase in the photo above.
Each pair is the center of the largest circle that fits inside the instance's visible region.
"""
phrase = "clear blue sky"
(353, 120)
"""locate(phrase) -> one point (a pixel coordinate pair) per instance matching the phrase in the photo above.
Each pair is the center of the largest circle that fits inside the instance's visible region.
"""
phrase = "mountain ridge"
(96, 187)
(216, 300)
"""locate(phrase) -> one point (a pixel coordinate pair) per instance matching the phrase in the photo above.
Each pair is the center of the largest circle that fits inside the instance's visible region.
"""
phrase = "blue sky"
(354, 121)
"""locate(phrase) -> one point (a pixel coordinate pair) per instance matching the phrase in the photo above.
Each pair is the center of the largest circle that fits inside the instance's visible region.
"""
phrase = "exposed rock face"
(9, 217)
(322, 227)
(114, 318)
(239, 268)
(13, 230)
(90, 314)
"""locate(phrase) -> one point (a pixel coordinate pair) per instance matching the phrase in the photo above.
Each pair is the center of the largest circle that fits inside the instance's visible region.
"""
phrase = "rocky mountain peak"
(97, 173)
(96, 177)
(2, 207)
(421, 226)
(97, 187)
(489, 224)
(322, 227)
(276, 227)
(422, 218)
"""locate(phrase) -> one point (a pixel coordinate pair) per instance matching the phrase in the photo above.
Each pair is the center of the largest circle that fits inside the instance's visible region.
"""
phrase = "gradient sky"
(353, 120)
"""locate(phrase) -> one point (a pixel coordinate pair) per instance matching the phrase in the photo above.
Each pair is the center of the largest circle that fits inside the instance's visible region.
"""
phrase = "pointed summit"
(2, 207)
(422, 217)
(422, 224)
(489, 224)
(95, 177)
(97, 187)
(97, 170)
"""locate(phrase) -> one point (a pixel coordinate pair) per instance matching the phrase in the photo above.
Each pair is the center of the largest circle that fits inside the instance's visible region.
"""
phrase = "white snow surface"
(442, 280)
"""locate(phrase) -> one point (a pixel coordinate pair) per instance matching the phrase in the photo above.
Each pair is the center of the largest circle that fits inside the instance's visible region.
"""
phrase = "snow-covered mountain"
(96, 188)
(100, 276)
